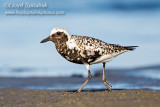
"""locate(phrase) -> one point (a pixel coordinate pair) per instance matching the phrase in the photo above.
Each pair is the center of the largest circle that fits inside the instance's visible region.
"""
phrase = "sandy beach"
(10, 97)
(140, 91)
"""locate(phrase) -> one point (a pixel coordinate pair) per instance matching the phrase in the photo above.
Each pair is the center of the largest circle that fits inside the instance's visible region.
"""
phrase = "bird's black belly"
(71, 55)
(77, 56)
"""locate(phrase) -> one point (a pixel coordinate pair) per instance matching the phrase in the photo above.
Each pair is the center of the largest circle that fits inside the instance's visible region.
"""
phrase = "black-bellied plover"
(85, 50)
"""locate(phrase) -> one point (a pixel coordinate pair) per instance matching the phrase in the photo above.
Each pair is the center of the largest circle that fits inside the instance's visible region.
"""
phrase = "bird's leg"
(88, 79)
(106, 83)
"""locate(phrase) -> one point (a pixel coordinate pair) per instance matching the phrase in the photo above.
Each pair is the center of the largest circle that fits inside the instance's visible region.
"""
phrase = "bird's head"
(57, 34)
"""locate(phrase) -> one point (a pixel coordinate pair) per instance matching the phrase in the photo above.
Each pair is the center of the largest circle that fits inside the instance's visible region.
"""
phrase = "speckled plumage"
(92, 49)
(84, 50)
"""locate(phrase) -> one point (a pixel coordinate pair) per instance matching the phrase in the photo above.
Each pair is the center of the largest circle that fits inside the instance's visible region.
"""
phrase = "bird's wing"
(90, 48)
(93, 45)
(93, 49)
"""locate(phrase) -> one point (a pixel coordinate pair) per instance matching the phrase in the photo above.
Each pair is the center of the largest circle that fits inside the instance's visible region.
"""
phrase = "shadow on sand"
(94, 90)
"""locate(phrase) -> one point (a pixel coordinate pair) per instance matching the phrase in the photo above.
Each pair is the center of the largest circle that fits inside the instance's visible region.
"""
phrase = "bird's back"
(96, 51)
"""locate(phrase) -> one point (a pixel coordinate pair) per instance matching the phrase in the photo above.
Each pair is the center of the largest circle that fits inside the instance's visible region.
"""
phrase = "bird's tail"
(130, 48)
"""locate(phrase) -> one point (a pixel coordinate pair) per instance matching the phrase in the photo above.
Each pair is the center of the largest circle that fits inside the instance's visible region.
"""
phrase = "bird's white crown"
(55, 30)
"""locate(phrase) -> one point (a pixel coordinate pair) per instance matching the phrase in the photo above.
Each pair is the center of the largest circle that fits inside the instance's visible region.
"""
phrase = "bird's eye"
(53, 35)
(58, 33)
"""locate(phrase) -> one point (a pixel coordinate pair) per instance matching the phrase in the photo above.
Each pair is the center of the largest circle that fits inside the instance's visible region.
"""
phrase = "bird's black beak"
(46, 40)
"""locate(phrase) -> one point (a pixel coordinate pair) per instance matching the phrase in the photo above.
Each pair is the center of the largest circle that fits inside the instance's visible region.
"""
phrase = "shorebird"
(85, 50)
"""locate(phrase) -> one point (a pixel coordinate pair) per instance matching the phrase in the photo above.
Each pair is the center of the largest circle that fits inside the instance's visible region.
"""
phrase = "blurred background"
(123, 22)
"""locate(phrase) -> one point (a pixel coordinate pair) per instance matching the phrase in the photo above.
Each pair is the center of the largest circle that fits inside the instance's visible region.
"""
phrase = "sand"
(10, 97)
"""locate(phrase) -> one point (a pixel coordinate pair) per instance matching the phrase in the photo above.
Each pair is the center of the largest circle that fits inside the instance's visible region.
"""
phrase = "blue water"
(120, 79)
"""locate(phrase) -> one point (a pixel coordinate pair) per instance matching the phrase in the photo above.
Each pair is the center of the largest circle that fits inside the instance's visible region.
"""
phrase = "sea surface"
(135, 78)
(25, 63)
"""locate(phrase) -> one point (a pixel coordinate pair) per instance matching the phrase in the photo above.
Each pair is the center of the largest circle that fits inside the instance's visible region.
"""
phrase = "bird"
(85, 50)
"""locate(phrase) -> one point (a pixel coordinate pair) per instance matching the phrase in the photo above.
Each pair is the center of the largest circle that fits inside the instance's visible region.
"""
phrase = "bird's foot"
(78, 91)
(108, 85)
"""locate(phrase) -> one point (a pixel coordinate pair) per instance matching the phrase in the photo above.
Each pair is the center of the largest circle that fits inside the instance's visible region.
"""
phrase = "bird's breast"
(71, 54)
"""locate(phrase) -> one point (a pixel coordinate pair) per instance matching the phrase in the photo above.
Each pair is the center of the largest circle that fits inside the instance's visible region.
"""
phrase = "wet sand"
(10, 97)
